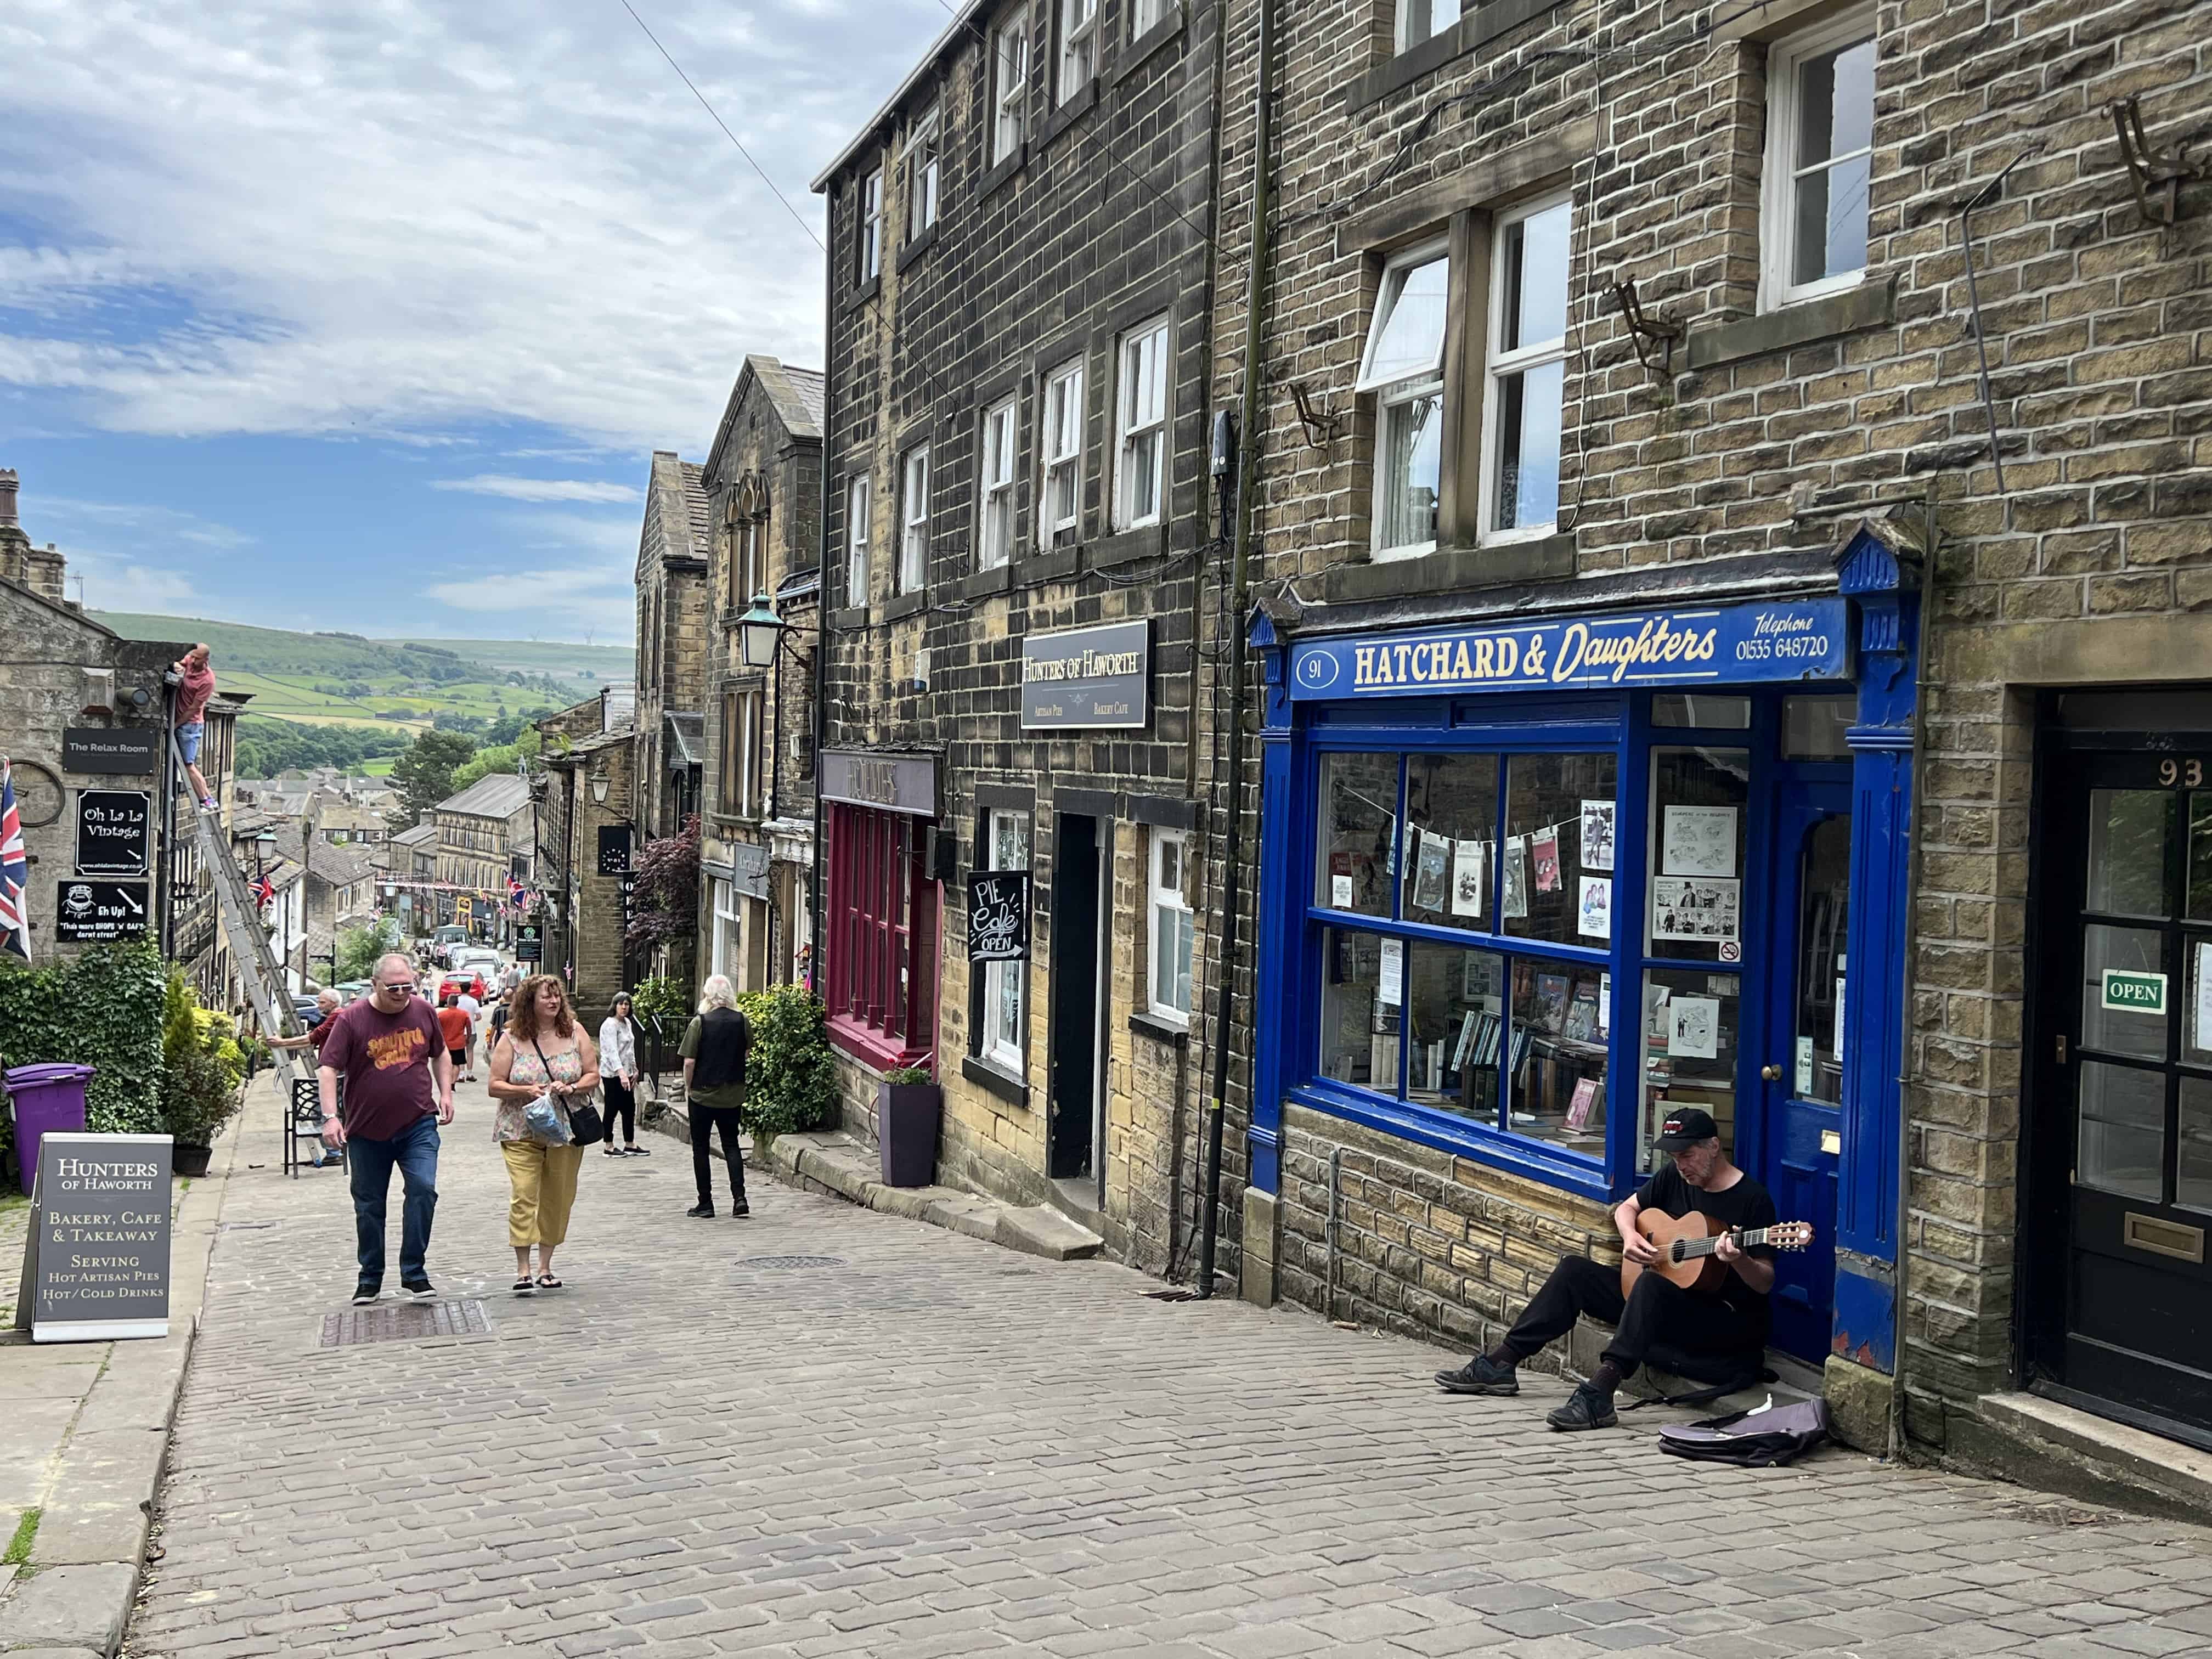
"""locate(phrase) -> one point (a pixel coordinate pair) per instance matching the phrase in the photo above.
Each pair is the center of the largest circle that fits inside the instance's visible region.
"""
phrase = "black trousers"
(705, 1118)
(1658, 1314)
(621, 1108)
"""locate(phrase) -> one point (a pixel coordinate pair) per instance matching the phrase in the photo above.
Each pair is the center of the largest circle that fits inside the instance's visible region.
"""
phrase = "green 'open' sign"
(2135, 993)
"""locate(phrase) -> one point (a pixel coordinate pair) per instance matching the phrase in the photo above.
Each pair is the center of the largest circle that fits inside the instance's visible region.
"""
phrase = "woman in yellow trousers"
(543, 1052)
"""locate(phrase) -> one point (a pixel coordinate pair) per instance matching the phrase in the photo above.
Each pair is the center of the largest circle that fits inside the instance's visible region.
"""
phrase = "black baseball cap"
(1685, 1128)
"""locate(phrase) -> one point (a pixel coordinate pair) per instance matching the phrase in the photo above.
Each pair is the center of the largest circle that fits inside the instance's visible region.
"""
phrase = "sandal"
(524, 1286)
(547, 1282)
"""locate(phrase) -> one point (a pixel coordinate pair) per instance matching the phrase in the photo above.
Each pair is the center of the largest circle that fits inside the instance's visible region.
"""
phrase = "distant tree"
(424, 774)
(358, 948)
(501, 758)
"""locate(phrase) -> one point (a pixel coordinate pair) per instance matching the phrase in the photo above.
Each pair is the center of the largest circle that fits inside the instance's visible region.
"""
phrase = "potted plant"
(791, 1080)
(201, 1065)
(909, 1112)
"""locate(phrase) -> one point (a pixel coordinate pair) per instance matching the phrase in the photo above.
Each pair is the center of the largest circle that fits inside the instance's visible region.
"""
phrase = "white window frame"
(1169, 920)
(1413, 14)
(912, 572)
(1078, 48)
(1145, 16)
(728, 942)
(1059, 440)
(869, 259)
(1498, 365)
(1010, 88)
(1391, 394)
(995, 472)
(1143, 379)
(1777, 203)
(918, 170)
(752, 707)
(859, 493)
(1002, 1046)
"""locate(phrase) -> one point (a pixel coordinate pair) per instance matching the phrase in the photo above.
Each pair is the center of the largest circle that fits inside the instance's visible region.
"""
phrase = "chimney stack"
(8, 483)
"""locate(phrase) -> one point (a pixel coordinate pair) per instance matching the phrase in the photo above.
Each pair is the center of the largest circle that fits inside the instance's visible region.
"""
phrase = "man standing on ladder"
(195, 685)
(398, 1075)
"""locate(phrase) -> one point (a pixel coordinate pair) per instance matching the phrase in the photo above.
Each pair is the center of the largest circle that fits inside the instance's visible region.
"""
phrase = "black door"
(1076, 892)
(2121, 1187)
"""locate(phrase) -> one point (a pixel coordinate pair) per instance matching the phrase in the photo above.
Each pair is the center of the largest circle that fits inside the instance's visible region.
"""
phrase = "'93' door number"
(2189, 773)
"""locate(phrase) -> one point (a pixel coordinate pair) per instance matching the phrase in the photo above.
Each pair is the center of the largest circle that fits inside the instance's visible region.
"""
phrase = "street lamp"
(759, 630)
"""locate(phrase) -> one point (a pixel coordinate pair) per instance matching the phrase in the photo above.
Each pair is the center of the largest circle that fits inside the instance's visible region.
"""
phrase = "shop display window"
(1451, 805)
(1359, 843)
(1690, 1024)
(1559, 848)
(1694, 887)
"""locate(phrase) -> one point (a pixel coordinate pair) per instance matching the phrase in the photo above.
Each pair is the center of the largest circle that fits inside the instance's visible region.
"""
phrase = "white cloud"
(397, 217)
(539, 489)
(584, 596)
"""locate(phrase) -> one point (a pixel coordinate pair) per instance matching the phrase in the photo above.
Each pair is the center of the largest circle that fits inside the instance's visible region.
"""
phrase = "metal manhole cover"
(402, 1321)
(791, 1261)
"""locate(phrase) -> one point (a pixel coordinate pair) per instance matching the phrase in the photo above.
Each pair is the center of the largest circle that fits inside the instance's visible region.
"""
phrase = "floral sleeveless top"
(528, 1072)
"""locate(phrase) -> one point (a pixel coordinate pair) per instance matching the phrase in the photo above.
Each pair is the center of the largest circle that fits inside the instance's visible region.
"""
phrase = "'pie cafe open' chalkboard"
(999, 916)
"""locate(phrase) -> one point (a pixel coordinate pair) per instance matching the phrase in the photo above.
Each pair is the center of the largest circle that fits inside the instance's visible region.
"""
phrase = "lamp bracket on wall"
(1653, 333)
(1320, 424)
(2157, 175)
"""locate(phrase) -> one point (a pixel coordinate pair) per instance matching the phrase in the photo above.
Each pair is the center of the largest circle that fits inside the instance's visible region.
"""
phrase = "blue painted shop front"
(1528, 886)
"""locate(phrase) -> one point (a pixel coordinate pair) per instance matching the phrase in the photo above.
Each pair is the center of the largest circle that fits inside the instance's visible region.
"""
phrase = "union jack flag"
(516, 892)
(263, 891)
(14, 872)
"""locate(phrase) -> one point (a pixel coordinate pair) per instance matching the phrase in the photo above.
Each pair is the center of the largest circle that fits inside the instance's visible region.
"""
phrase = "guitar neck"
(1745, 1238)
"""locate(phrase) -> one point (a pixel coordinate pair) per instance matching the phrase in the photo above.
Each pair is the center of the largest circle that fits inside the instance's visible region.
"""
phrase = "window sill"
(1452, 569)
(866, 292)
(1870, 305)
(1058, 566)
(994, 1081)
(1073, 109)
(999, 579)
(903, 606)
(1126, 547)
(1139, 52)
(1480, 28)
(915, 249)
(1532, 1160)
(1004, 169)
(1159, 1028)
(869, 1047)
(852, 619)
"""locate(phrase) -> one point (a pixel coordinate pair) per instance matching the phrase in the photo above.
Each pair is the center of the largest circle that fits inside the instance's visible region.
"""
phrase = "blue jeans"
(415, 1150)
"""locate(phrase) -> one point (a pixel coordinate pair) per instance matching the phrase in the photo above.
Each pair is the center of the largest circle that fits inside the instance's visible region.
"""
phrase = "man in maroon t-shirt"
(400, 1087)
(195, 685)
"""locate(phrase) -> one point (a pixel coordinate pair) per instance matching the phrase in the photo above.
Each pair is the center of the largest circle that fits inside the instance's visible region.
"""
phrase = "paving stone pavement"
(934, 1447)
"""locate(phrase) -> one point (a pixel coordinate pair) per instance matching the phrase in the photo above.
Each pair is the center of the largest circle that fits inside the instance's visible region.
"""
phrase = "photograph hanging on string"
(1597, 835)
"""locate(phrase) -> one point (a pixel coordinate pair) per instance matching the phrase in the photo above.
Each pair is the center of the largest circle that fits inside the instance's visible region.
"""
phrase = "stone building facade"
(586, 795)
(1015, 442)
(1629, 338)
(486, 833)
(763, 481)
(673, 627)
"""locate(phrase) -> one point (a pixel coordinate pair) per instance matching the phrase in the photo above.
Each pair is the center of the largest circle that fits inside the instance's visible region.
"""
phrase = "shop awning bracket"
(1320, 423)
(2156, 174)
(1653, 333)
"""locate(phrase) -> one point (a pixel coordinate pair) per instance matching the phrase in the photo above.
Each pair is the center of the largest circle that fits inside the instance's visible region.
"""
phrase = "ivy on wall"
(102, 1009)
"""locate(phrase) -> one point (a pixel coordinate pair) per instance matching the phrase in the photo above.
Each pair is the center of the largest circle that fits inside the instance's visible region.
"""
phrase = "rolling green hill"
(592, 665)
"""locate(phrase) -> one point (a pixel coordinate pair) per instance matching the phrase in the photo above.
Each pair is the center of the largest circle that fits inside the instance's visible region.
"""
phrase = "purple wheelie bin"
(47, 1098)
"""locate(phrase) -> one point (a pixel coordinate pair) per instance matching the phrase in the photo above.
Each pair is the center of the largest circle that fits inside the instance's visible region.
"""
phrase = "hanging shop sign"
(1085, 678)
(114, 831)
(100, 912)
(96, 1264)
(999, 916)
(529, 943)
(748, 870)
(897, 783)
(127, 751)
(1798, 640)
(2129, 991)
(614, 849)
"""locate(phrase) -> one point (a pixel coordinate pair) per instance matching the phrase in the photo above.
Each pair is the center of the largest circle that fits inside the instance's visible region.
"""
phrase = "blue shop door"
(1802, 1077)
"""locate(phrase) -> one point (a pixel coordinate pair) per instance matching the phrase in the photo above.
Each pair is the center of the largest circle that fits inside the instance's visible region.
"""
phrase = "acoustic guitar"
(1687, 1244)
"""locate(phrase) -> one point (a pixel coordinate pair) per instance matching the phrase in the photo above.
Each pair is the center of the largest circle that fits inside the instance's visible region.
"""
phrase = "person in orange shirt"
(458, 1030)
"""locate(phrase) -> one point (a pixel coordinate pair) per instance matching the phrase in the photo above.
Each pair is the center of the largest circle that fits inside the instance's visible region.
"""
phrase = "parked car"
(454, 981)
(480, 958)
(352, 989)
(445, 940)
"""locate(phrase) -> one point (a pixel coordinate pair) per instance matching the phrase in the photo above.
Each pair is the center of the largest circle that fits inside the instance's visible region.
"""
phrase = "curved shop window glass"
(1465, 960)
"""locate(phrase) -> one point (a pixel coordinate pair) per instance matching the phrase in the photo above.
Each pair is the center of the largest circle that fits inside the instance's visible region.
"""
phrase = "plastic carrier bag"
(543, 1119)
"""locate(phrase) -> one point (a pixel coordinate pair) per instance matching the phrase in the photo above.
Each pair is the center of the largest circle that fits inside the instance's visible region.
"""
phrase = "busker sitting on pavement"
(1726, 1331)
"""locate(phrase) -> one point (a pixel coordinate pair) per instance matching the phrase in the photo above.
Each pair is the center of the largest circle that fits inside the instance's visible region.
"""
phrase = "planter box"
(908, 1118)
(187, 1160)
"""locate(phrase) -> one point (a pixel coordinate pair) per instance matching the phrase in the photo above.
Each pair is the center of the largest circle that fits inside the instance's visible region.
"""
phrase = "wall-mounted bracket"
(2157, 176)
(1320, 424)
(1653, 333)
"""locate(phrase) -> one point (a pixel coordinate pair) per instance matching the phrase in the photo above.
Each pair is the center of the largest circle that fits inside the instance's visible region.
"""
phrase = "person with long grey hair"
(714, 1048)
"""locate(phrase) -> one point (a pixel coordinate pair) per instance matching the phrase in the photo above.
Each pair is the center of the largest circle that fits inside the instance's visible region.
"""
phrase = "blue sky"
(368, 314)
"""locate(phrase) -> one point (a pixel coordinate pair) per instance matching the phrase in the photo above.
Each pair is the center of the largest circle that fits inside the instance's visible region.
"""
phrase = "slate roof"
(423, 835)
(499, 795)
(340, 866)
(678, 517)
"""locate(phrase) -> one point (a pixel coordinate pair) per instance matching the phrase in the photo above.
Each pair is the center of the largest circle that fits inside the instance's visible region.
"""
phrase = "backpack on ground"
(1759, 1438)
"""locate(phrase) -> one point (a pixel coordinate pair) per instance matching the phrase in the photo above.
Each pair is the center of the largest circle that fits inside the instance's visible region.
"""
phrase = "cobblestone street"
(929, 1446)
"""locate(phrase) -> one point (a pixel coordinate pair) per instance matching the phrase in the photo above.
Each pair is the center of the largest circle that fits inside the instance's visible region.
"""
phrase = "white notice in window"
(1700, 841)
(1393, 973)
(1467, 883)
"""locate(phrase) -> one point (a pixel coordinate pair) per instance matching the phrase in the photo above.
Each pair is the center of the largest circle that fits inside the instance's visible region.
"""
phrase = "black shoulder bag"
(585, 1127)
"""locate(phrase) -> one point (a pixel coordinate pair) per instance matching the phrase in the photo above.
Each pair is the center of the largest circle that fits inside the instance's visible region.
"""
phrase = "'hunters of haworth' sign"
(97, 1262)
(1088, 678)
(1801, 640)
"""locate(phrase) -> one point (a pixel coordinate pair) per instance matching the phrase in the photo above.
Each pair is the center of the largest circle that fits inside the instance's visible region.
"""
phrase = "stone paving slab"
(932, 1446)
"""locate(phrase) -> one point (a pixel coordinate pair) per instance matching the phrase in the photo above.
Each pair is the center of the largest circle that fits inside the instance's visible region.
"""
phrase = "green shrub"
(103, 1009)
(791, 1082)
(908, 1074)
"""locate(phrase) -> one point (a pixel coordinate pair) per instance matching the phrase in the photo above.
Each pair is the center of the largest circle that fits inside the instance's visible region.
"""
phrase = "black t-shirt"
(1747, 1203)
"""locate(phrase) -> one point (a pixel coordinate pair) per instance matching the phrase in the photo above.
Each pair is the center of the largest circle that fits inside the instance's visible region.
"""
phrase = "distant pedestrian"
(498, 1024)
(618, 1076)
(398, 1088)
(714, 1048)
(314, 1038)
(544, 1054)
(468, 1005)
(195, 685)
(457, 1030)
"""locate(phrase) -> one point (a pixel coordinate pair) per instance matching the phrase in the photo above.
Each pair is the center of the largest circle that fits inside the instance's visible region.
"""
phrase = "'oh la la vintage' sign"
(96, 1266)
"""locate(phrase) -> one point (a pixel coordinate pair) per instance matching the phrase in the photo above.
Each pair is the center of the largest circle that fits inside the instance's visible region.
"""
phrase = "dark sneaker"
(741, 1209)
(1480, 1375)
(417, 1287)
(635, 1151)
(364, 1294)
(702, 1211)
(1586, 1408)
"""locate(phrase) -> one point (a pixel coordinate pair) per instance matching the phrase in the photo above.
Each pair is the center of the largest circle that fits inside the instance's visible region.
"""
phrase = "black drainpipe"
(818, 899)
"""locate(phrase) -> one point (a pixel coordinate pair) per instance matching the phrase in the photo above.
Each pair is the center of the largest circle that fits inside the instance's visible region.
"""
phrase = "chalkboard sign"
(100, 912)
(999, 916)
(114, 831)
(529, 943)
(97, 1263)
(614, 849)
(125, 750)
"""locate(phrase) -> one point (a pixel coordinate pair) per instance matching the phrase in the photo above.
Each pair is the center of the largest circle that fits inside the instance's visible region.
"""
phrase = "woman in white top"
(619, 1078)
